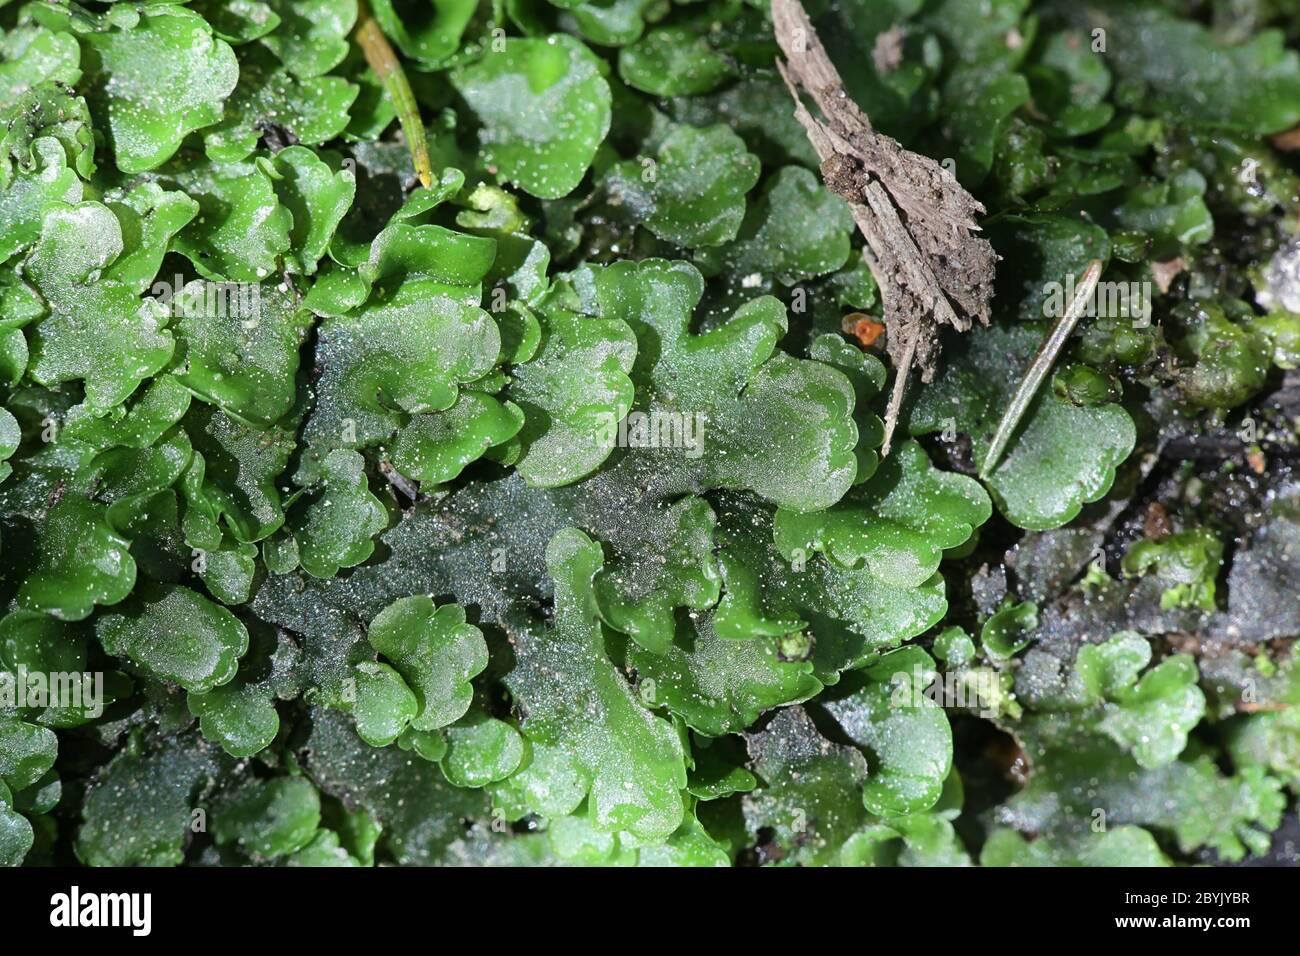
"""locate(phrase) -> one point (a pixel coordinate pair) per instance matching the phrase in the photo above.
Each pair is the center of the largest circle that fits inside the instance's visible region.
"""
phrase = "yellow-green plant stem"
(379, 54)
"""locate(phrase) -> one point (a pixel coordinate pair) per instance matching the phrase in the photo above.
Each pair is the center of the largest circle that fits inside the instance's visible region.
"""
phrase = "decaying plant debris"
(918, 221)
(530, 509)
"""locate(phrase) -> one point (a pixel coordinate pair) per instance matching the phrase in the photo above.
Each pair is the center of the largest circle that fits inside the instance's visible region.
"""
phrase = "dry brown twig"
(918, 221)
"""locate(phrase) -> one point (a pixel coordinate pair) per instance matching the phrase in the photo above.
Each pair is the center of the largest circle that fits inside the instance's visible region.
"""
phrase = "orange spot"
(862, 328)
(1287, 140)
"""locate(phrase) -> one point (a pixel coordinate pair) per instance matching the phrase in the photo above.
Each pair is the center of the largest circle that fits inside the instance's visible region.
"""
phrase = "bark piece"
(919, 223)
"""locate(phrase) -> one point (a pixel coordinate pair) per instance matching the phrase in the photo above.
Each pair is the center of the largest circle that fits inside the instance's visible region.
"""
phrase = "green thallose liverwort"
(335, 344)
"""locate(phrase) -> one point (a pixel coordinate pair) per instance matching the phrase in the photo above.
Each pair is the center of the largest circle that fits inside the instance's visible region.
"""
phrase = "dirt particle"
(1166, 272)
(887, 54)
(1156, 525)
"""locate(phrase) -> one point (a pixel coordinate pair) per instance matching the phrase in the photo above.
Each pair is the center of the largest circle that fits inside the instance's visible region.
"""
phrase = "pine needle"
(1042, 363)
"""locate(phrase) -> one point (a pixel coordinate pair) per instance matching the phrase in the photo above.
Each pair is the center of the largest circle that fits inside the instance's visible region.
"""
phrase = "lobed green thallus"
(433, 433)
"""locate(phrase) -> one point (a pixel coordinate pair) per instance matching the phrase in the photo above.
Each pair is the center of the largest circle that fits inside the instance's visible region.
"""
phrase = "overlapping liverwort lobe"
(446, 433)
